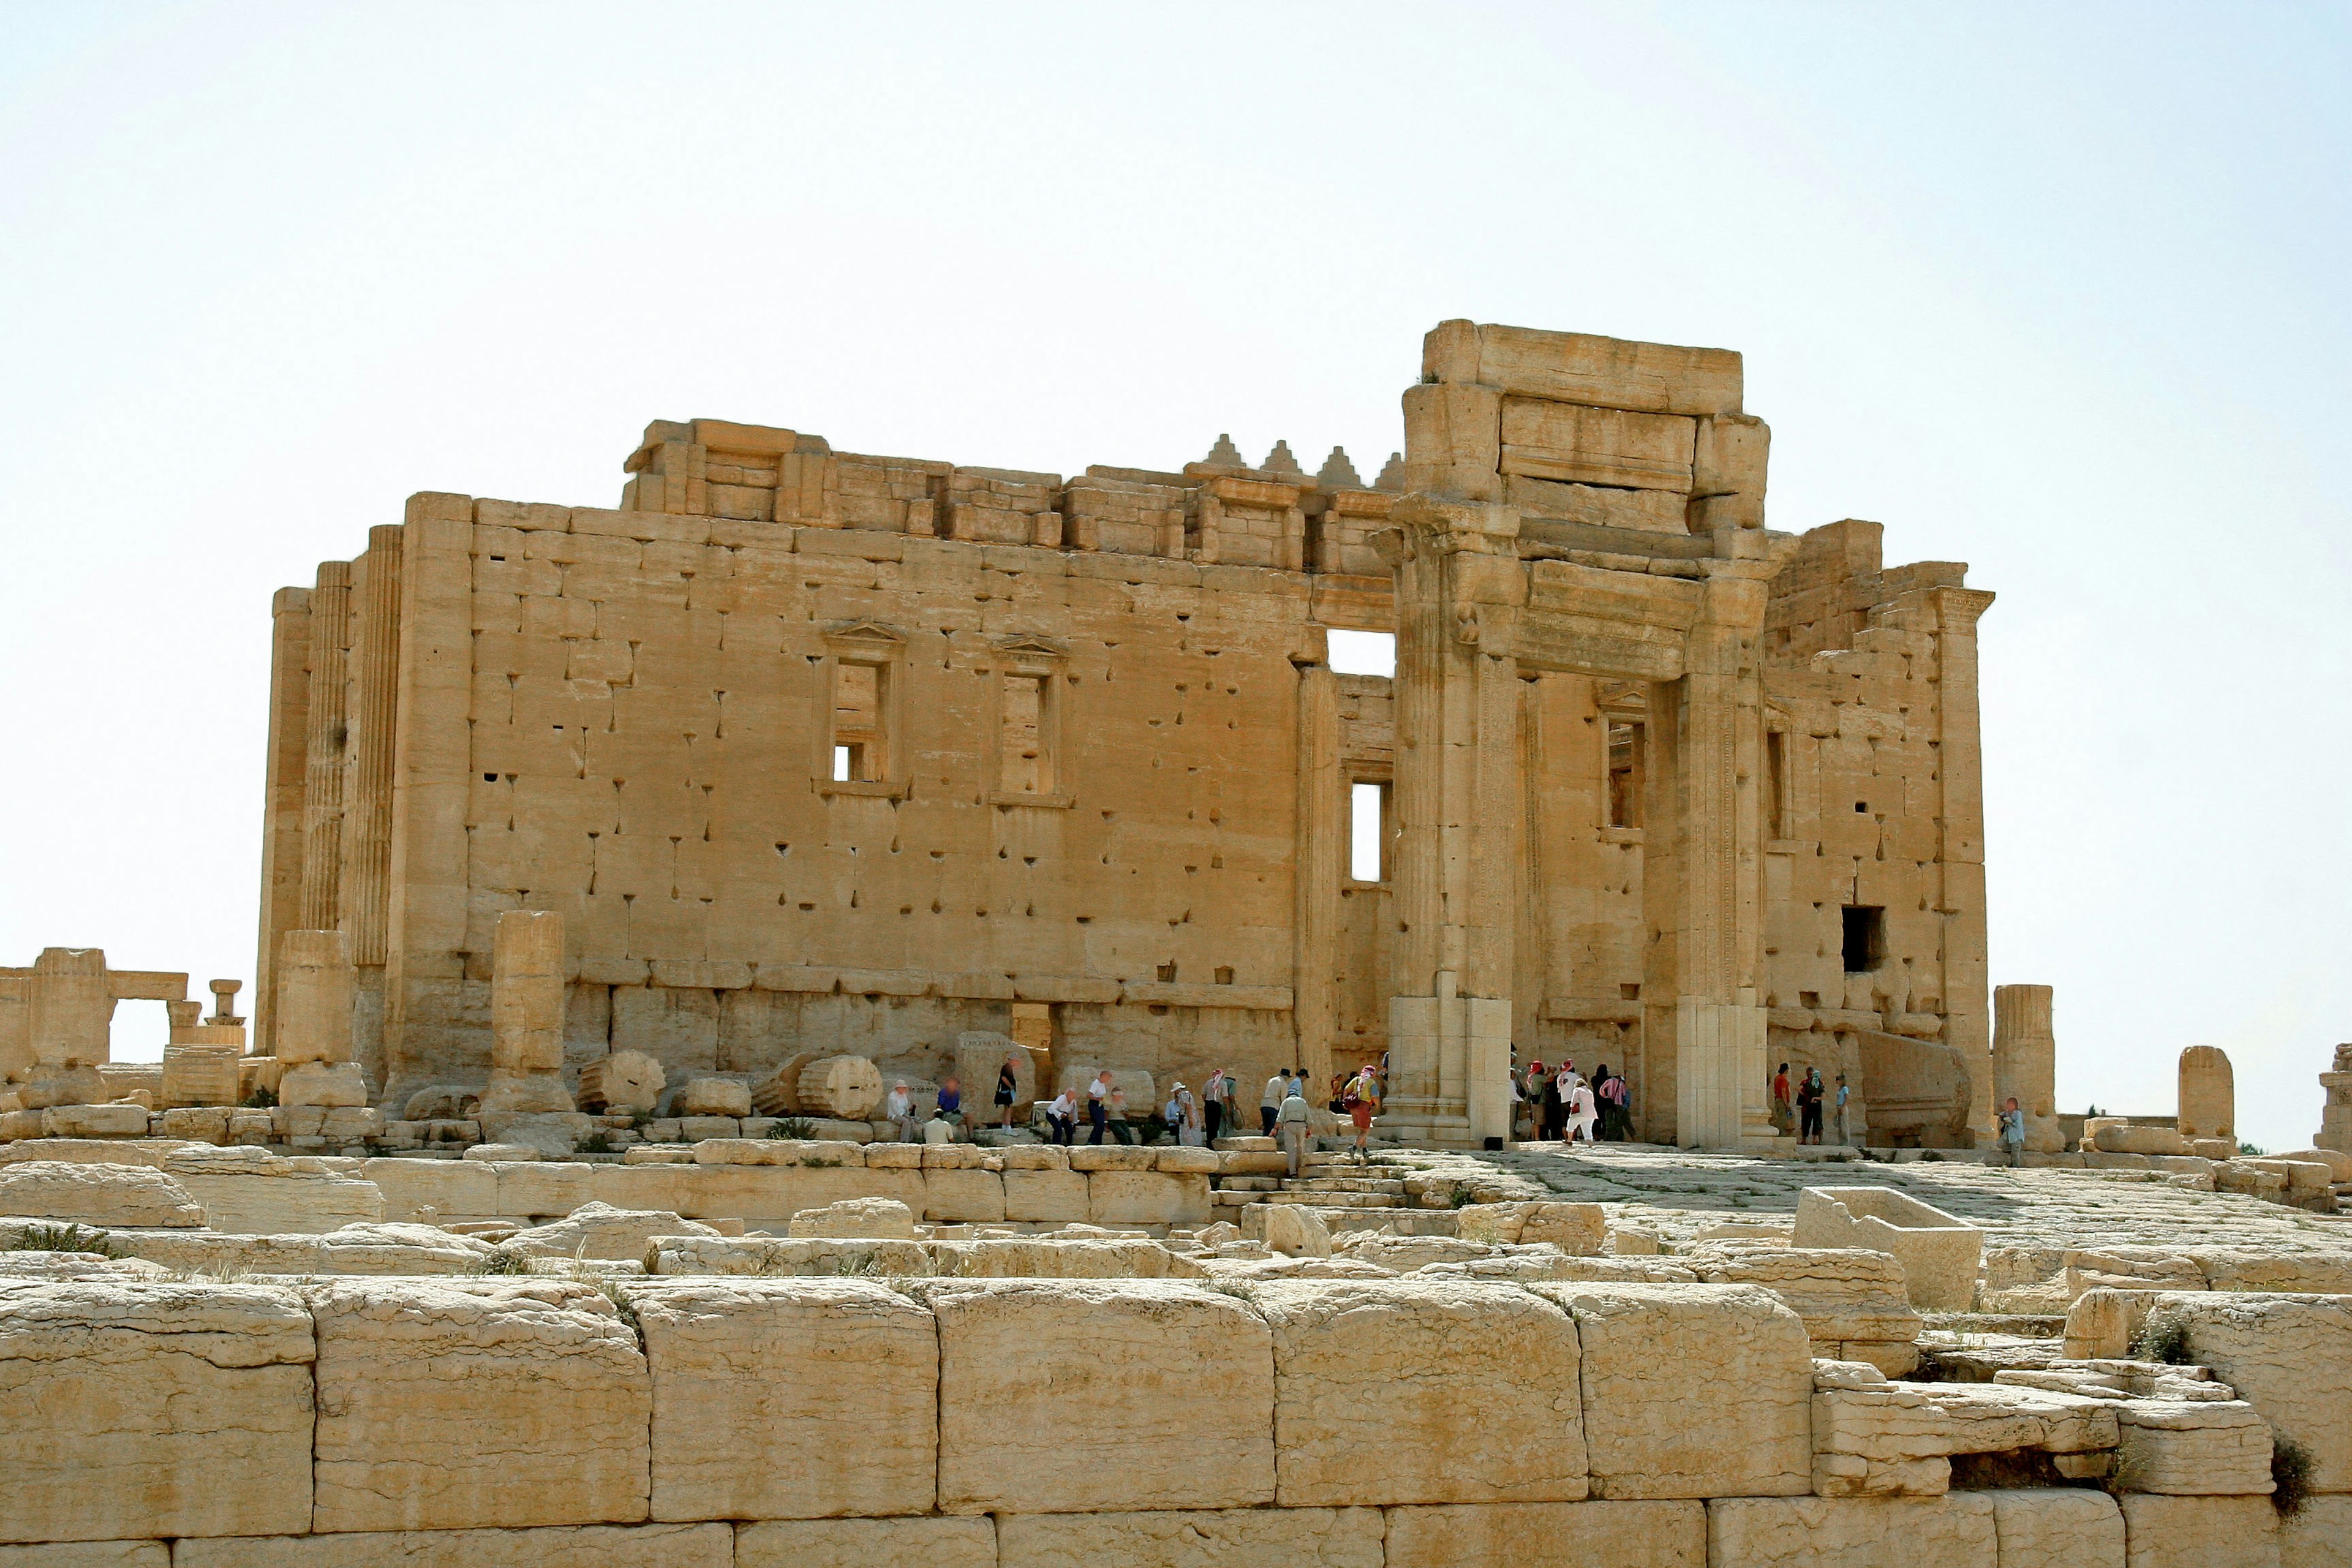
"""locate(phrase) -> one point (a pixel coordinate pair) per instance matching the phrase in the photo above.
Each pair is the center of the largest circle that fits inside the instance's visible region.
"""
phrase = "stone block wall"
(846, 1421)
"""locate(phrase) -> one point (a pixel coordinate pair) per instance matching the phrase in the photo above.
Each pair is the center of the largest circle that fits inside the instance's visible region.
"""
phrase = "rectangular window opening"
(1621, 797)
(1023, 767)
(856, 723)
(1361, 653)
(1776, 784)
(1368, 813)
(1864, 938)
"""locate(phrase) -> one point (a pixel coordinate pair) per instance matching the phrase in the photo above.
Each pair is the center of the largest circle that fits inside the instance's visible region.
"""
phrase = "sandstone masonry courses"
(821, 751)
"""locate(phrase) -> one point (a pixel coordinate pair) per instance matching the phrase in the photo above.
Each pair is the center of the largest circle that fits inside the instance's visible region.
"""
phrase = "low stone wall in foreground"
(842, 1421)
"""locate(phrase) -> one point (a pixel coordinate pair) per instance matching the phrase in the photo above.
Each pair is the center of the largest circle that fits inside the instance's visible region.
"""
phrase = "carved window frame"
(1025, 656)
(883, 649)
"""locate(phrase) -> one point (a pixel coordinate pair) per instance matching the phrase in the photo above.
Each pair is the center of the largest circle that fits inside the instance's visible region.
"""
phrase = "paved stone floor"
(1679, 1192)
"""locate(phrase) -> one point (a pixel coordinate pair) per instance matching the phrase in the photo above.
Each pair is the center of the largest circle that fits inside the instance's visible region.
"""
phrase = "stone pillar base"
(1720, 1069)
(524, 1093)
(319, 1083)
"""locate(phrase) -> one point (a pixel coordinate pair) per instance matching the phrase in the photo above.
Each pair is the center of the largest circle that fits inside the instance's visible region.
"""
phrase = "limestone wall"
(845, 1421)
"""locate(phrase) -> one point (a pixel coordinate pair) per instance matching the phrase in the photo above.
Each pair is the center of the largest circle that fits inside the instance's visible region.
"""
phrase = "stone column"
(323, 762)
(376, 656)
(526, 1015)
(2207, 1105)
(426, 1004)
(1703, 864)
(1315, 940)
(282, 839)
(316, 982)
(71, 1008)
(2025, 1062)
(2335, 1112)
(1458, 807)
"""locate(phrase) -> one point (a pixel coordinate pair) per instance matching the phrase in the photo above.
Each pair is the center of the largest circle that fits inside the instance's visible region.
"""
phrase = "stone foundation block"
(2192, 1447)
(1289, 1537)
(2199, 1532)
(789, 1398)
(2290, 1358)
(963, 1197)
(138, 1410)
(1075, 1396)
(2319, 1535)
(2058, 1528)
(1692, 1390)
(1549, 1535)
(1954, 1532)
(1045, 1196)
(89, 1555)
(448, 1406)
(868, 1543)
(1146, 1197)
(586, 1546)
(1396, 1392)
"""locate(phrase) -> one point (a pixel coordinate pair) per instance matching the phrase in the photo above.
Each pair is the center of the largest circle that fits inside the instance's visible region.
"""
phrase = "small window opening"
(1622, 797)
(1361, 653)
(1862, 808)
(1368, 811)
(856, 723)
(1629, 991)
(1224, 974)
(1866, 938)
(1167, 974)
(1022, 764)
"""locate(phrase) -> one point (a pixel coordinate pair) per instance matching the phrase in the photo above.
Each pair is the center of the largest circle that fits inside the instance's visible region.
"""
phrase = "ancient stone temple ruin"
(821, 751)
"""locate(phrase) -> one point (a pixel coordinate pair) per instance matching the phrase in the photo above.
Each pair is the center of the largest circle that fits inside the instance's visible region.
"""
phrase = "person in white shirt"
(1269, 1104)
(1583, 1111)
(1292, 1116)
(1061, 1116)
(900, 1108)
(1098, 1105)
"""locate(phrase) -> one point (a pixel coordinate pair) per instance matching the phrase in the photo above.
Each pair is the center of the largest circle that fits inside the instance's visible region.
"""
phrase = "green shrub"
(596, 1142)
(64, 1239)
(796, 1127)
(2164, 1337)
(501, 1259)
(263, 1097)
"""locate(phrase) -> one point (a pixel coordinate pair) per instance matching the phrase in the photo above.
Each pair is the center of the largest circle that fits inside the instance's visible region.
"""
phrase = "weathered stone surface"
(94, 1121)
(1307, 1537)
(448, 1406)
(2199, 1532)
(96, 1194)
(1068, 1396)
(962, 1196)
(1954, 1532)
(1578, 1229)
(1548, 1535)
(586, 1546)
(1045, 1196)
(802, 1255)
(2319, 1535)
(600, 1230)
(869, 1544)
(844, 1087)
(2290, 1358)
(2058, 1528)
(452, 1189)
(622, 1080)
(1393, 1392)
(89, 1554)
(1692, 1390)
(789, 1398)
(884, 1217)
(1294, 1230)
(713, 1096)
(256, 1192)
(2192, 1447)
(144, 1409)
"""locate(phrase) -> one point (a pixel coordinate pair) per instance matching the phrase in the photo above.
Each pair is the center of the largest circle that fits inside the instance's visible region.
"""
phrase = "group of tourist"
(1562, 1105)
(1799, 1110)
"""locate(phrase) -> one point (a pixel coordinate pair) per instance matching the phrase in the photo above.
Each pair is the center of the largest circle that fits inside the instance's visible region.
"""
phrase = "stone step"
(1328, 1200)
(1344, 1185)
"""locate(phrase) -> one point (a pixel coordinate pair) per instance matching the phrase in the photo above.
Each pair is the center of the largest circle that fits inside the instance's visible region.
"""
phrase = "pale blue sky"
(2054, 291)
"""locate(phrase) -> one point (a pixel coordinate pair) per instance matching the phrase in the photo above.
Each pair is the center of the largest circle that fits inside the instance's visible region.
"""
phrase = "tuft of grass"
(862, 1264)
(796, 1127)
(501, 1260)
(2164, 1337)
(611, 1291)
(263, 1097)
(2252, 1149)
(596, 1142)
(64, 1239)
(2290, 1476)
